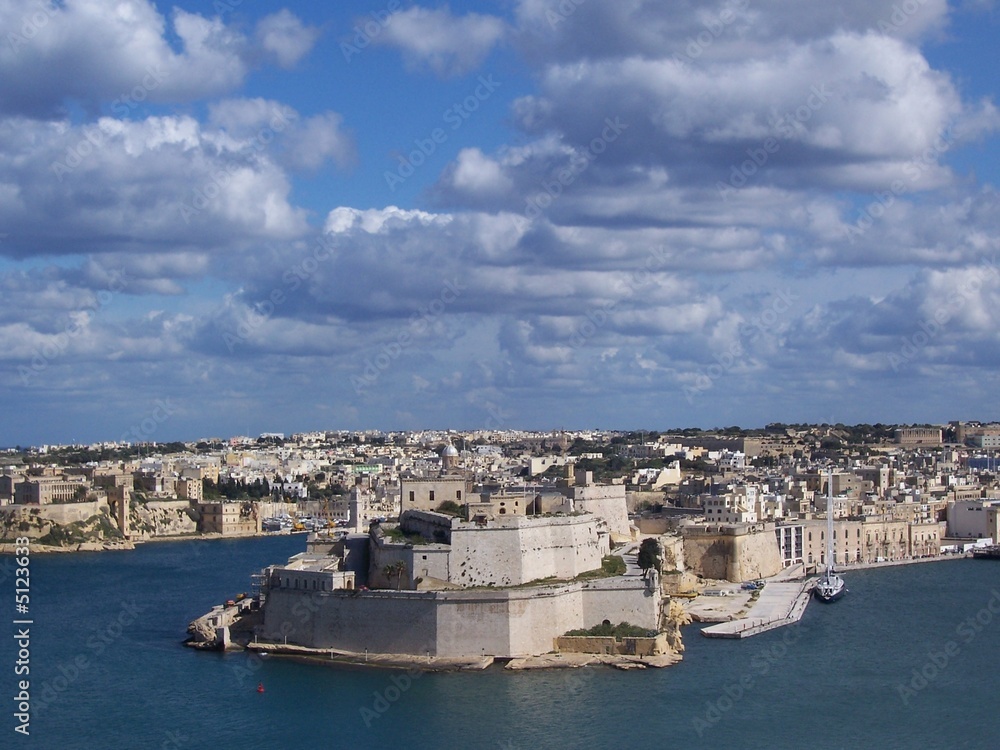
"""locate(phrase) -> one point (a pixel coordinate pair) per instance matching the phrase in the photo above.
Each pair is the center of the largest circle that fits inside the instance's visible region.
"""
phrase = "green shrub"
(619, 631)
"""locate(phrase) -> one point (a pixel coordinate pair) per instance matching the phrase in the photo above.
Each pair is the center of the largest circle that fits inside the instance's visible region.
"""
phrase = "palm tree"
(399, 567)
(396, 569)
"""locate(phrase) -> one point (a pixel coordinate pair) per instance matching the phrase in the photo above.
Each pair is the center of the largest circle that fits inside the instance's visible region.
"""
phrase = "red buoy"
(260, 687)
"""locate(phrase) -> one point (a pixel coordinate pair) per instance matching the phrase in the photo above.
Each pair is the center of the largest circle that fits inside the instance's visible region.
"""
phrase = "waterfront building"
(871, 539)
(973, 519)
(790, 548)
(229, 518)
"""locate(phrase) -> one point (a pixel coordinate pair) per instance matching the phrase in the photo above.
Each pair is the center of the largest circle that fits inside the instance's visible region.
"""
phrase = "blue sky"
(234, 217)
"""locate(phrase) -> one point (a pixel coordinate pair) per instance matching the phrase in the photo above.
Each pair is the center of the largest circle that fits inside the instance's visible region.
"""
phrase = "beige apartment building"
(46, 490)
(229, 519)
(870, 540)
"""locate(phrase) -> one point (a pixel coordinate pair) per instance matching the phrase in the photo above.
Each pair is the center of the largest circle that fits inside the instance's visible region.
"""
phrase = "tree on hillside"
(649, 554)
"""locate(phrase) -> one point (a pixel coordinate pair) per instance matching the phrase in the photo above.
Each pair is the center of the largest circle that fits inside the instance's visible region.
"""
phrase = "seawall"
(470, 623)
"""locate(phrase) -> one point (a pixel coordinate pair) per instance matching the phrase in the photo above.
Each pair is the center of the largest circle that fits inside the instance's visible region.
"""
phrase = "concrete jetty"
(780, 603)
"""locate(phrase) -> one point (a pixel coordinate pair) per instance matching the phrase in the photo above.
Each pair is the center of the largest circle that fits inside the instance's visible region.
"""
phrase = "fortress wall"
(454, 623)
(562, 550)
(435, 527)
(617, 602)
(732, 554)
(755, 556)
(485, 556)
(473, 624)
(708, 556)
(612, 509)
(389, 622)
(518, 550)
(535, 621)
(657, 525)
(70, 512)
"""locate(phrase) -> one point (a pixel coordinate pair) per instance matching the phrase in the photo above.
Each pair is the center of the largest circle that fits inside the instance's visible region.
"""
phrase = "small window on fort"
(458, 495)
(411, 496)
(432, 496)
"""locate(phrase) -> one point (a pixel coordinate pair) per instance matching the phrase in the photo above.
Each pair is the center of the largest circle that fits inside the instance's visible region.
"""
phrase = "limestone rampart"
(732, 553)
(517, 550)
(505, 623)
(37, 521)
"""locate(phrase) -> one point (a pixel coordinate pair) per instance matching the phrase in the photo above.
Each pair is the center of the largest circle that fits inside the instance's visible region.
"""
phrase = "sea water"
(910, 658)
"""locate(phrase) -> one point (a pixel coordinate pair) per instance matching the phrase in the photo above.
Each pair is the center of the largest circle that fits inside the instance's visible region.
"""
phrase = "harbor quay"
(780, 602)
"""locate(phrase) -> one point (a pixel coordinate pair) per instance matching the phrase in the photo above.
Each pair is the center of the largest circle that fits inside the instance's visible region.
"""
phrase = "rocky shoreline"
(333, 657)
(7, 547)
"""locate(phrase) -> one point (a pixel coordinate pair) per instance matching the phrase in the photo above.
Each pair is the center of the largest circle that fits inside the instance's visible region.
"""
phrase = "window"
(411, 496)
(432, 496)
(458, 495)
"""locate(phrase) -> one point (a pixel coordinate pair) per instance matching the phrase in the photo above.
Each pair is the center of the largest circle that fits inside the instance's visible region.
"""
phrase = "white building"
(729, 508)
(973, 519)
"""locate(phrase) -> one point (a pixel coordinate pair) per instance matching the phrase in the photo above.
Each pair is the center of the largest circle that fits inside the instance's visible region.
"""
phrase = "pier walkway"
(780, 603)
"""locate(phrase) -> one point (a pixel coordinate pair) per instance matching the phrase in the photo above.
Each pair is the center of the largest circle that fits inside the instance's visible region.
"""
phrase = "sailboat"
(830, 586)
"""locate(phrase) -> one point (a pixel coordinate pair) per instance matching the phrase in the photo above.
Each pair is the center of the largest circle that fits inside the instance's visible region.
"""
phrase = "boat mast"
(829, 523)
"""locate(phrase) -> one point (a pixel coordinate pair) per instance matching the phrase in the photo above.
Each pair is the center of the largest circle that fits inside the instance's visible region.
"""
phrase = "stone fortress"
(463, 575)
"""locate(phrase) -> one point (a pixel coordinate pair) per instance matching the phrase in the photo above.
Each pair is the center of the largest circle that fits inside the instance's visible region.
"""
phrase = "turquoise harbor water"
(105, 677)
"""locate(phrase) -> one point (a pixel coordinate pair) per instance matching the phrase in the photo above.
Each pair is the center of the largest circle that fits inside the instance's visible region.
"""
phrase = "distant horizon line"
(381, 431)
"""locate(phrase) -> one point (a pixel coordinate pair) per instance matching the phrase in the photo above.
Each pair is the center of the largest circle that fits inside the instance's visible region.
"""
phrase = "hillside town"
(898, 492)
(471, 546)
